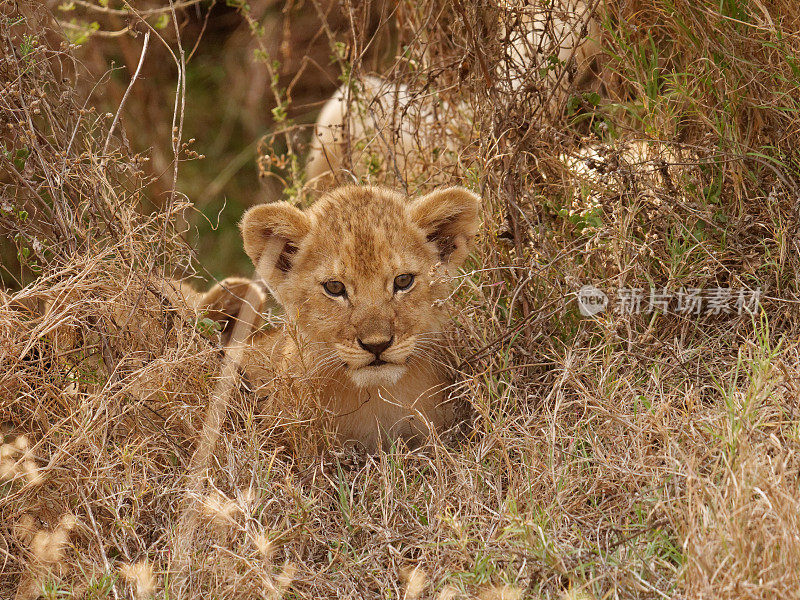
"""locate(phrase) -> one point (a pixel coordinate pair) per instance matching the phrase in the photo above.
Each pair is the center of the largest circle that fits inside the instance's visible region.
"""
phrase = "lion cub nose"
(376, 347)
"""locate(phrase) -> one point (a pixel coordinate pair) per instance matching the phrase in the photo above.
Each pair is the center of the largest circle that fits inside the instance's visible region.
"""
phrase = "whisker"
(326, 359)
(322, 365)
(431, 357)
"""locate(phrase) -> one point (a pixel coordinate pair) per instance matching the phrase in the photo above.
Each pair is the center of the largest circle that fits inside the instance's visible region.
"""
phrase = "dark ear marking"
(286, 257)
(449, 218)
(272, 234)
(446, 245)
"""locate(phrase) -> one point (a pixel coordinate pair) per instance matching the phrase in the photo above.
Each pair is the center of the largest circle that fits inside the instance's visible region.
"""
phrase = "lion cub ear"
(450, 218)
(272, 233)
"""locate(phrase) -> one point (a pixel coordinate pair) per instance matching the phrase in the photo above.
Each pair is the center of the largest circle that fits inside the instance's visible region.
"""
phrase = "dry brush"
(645, 455)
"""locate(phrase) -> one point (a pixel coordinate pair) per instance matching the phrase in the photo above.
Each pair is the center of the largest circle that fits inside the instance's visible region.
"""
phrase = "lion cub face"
(360, 273)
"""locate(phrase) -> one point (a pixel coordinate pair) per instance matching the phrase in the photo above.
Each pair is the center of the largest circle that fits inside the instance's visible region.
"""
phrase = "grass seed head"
(48, 546)
(448, 592)
(140, 577)
(415, 582)
(264, 546)
(501, 592)
(219, 511)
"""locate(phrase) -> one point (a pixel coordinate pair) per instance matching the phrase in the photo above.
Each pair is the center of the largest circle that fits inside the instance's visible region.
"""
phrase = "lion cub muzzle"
(376, 348)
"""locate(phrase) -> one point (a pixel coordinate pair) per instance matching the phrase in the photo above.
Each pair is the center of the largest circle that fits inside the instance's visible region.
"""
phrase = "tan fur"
(364, 237)
(386, 118)
(370, 111)
(566, 29)
(224, 302)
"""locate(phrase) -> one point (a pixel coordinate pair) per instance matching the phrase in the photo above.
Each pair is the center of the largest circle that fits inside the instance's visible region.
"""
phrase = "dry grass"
(647, 456)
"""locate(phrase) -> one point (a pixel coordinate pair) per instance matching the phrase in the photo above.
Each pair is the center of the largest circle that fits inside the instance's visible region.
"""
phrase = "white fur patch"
(375, 376)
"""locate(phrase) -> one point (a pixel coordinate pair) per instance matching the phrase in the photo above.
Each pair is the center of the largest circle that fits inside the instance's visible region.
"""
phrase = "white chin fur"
(374, 376)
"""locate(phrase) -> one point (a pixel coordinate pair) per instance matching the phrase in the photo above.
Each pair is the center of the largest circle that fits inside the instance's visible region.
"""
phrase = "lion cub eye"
(334, 288)
(403, 282)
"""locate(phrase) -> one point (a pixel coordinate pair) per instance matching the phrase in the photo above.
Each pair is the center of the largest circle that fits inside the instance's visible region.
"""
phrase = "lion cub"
(362, 275)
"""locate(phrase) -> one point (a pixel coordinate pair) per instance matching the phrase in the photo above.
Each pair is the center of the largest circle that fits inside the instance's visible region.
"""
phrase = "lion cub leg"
(235, 300)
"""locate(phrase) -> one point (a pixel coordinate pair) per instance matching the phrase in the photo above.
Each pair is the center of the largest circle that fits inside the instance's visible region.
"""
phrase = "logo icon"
(591, 300)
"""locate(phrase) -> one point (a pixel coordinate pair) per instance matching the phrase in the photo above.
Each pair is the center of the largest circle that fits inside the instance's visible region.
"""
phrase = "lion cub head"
(361, 273)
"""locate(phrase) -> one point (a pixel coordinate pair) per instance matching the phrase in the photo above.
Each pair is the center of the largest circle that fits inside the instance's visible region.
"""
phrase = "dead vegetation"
(632, 456)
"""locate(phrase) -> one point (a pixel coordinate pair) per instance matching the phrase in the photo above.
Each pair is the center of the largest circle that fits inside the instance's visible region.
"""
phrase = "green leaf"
(208, 327)
(279, 113)
(163, 21)
(81, 35)
(20, 157)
